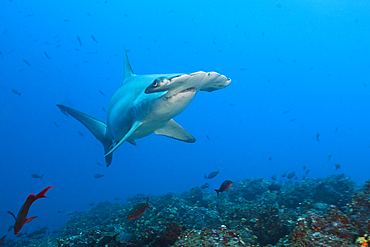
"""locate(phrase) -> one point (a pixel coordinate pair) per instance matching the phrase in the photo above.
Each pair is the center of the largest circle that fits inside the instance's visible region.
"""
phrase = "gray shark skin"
(145, 104)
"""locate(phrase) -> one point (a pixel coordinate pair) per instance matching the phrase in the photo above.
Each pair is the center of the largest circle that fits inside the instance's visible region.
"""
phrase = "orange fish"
(225, 186)
(22, 214)
(138, 210)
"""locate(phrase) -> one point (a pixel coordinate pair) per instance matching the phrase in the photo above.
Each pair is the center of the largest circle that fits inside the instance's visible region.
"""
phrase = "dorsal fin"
(127, 71)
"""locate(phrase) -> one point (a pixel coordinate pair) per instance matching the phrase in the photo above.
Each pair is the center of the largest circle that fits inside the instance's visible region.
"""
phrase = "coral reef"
(331, 211)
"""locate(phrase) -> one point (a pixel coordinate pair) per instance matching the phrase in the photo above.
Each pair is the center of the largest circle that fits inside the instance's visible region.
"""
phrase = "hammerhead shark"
(144, 104)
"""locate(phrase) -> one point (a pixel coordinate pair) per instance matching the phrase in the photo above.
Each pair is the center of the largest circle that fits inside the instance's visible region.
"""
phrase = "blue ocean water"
(298, 69)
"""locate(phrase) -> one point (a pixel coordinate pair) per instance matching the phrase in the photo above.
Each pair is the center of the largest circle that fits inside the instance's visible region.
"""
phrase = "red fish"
(2, 241)
(138, 210)
(22, 214)
(225, 186)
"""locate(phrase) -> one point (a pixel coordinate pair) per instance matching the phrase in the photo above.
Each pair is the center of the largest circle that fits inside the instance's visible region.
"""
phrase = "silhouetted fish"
(291, 175)
(101, 92)
(16, 92)
(56, 124)
(204, 186)
(37, 176)
(47, 55)
(106, 240)
(337, 166)
(79, 40)
(274, 187)
(283, 175)
(117, 198)
(26, 62)
(211, 175)
(2, 240)
(98, 175)
(93, 38)
(273, 177)
(80, 133)
(318, 137)
(329, 156)
(69, 213)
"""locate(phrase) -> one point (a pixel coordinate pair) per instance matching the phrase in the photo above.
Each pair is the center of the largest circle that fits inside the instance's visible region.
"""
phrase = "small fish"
(21, 218)
(91, 52)
(93, 38)
(273, 177)
(89, 14)
(106, 240)
(318, 137)
(303, 177)
(99, 164)
(308, 170)
(98, 175)
(285, 112)
(60, 212)
(2, 240)
(69, 213)
(36, 176)
(1, 54)
(21, 234)
(26, 62)
(290, 175)
(270, 158)
(117, 198)
(79, 40)
(364, 84)
(91, 204)
(40, 231)
(10, 228)
(80, 133)
(336, 130)
(337, 166)
(329, 156)
(56, 124)
(138, 210)
(274, 187)
(211, 175)
(225, 186)
(283, 175)
(66, 20)
(101, 92)
(16, 92)
(209, 139)
(204, 186)
(243, 69)
(105, 110)
(304, 167)
(292, 120)
(47, 55)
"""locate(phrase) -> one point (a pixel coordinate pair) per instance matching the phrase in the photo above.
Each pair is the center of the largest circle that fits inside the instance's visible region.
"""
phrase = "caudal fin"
(96, 127)
(42, 193)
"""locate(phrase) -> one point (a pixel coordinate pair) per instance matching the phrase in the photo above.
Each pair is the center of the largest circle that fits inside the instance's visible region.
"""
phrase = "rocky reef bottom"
(331, 211)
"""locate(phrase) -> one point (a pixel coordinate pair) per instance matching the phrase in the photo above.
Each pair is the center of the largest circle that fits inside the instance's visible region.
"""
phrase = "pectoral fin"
(29, 219)
(175, 131)
(134, 126)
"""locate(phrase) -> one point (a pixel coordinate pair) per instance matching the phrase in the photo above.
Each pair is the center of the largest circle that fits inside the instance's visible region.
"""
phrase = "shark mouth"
(188, 90)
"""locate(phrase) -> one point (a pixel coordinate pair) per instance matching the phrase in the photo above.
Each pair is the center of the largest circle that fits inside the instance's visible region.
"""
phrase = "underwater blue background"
(298, 68)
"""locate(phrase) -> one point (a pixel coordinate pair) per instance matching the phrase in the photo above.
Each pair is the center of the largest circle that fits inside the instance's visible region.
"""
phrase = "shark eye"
(155, 83)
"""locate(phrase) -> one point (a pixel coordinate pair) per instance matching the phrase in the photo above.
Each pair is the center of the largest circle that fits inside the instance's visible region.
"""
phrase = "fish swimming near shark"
(146, 104)
(21, 218)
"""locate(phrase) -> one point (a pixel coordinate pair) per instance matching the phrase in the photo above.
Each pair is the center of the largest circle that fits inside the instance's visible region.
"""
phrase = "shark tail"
(96, 127)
